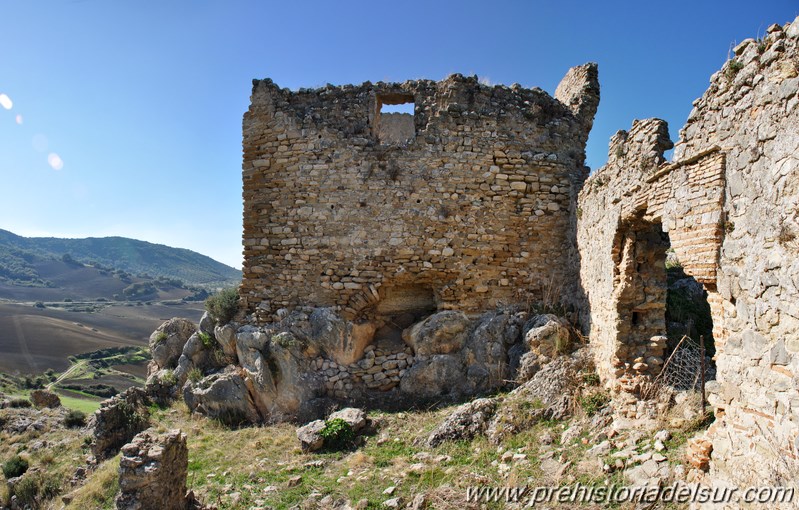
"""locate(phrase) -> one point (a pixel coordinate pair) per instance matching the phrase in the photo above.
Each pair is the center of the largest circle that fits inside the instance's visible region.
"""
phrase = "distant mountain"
(23, 260)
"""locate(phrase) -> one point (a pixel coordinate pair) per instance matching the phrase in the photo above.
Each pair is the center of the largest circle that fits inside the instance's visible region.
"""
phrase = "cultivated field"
(35, 339)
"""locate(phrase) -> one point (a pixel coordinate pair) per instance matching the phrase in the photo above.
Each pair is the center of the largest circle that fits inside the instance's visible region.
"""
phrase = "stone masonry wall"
(627, 208)
(730, 207)
(474, 208)
(750, 112)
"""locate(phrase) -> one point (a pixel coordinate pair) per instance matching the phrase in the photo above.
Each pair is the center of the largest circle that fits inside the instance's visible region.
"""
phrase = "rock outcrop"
(152, 472)
(292, 369)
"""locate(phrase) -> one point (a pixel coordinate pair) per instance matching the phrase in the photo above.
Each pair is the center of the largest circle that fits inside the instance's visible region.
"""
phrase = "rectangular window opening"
(394, 120)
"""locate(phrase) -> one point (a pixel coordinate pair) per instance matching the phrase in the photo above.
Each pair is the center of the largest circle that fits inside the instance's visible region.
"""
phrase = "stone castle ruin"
(396, 258)
(458, 206)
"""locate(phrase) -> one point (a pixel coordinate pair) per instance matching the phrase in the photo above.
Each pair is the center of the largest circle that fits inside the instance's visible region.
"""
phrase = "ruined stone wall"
(471, 209)
(750, 111)
(729, 206)
(631, 211)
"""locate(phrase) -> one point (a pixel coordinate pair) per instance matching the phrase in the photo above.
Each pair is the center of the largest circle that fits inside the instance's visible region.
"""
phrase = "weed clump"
(75, 418)
(337, 434)
(14, 467)
(207, 340)
(223, 305)
(594, 402)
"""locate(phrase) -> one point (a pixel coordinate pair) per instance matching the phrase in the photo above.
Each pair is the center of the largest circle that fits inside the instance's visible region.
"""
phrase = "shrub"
(337, 434)
(594, 402)
(75, 418)
(19, 403)
(161, 337)
(591, 379)
(35, 489)
(195, 374)
(168, 379)
(14, 467)
(223, 305)
(208, 341)
(733, 69)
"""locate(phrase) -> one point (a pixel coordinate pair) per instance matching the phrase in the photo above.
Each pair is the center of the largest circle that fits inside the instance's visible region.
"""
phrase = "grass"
(100, 488)
(265, 466)
(79, 404)
(53, 463)
(392, 457)
(84, 402)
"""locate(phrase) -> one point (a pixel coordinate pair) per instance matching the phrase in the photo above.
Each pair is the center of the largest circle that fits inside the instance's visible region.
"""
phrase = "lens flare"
(19, 119)
(55, 161)
(6, 102)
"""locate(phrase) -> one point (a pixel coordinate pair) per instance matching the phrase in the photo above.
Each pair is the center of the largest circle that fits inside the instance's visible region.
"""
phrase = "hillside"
(28, 262)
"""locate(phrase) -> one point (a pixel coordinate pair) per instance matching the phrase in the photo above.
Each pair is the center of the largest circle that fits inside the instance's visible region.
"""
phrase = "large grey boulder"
(278, 372)
(207, 324)
(547, 335)
(223, 396)
(226, 336)
(354, 417)
(310, 436)
(466, 422)
(486, 352)
(438, 376)
(167, 342)
(441, 333)
(322, 330)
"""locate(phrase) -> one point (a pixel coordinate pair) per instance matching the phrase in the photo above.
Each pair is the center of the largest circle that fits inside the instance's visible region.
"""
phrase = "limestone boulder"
(486, 351)
(550, 394)
(441, 333)
(310, 436)
(225, 335)
(162, 386)
(278, 373)
(438, 376)
(167, 342)
(207, 324)
(223, 396)
(547, 335)
(466, 422)
(323, 330)
(354, 417)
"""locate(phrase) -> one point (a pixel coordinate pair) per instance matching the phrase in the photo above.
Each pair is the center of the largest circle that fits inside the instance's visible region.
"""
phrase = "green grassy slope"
(19, 257)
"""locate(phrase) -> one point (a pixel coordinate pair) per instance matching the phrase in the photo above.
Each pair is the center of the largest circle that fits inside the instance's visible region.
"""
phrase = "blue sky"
(126, 116)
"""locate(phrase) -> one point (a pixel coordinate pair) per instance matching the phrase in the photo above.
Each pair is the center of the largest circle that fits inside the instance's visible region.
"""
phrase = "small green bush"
(591, 379)
(733, 69)
(223, 305)
(195, 374)
(594, 402)
(337, 434)
(168, 379)
(208, 341)
(19, 403)
(75, 418)
(33, 490)
(14, 467)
